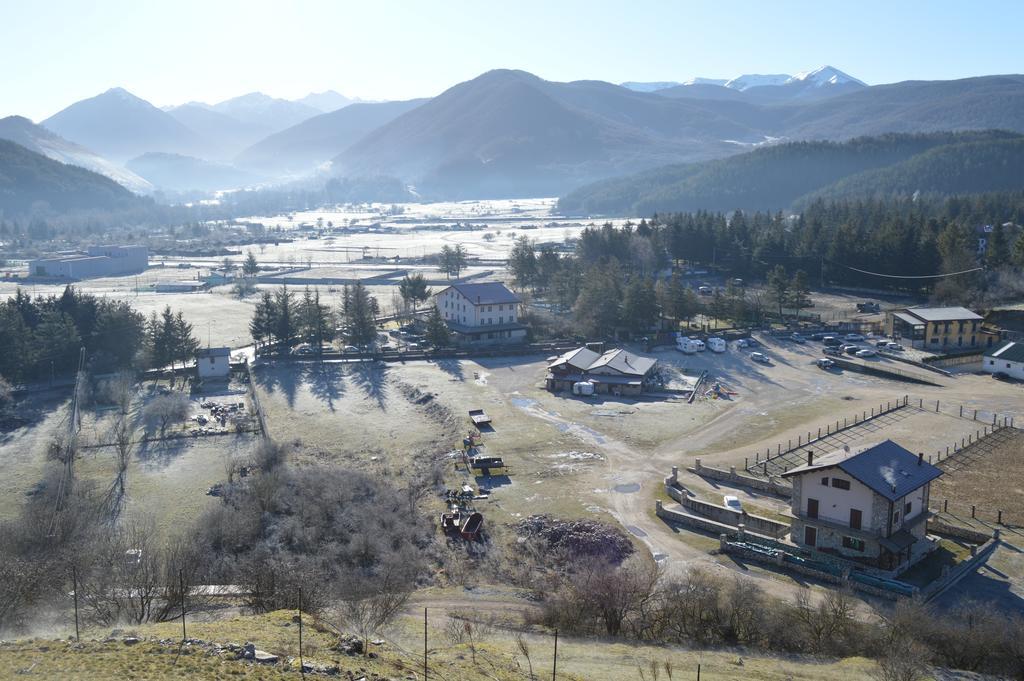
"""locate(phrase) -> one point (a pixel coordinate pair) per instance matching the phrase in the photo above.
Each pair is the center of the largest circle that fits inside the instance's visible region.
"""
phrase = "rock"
(263, 657)
(377, 642)
(131, 640)
(249, 651)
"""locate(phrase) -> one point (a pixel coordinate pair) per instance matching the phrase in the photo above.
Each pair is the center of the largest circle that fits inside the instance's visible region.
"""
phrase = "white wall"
(833, 503)
(213, 367)
(1012, 369)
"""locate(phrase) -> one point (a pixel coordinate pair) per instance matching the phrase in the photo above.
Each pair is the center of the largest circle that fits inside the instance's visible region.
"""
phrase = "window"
(855, 518)
(906, 509)
(853, 544)
(839, 483)
(812, 508)
(824, 481)
(895, 517)
(991, 362)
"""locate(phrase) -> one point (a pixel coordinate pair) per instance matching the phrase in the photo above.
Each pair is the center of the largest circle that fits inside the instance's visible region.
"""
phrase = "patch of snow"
(747, 81)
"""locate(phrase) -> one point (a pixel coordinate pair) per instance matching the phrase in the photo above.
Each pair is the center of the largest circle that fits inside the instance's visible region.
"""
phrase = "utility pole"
(302, 666)
(424, 644)
(554, 660)
(181, 584)
(74, 583)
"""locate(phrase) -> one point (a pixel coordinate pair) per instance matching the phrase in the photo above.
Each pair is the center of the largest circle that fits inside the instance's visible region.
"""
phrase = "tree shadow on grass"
(281, 377)
(326, 382)
(160, 452)
(372, 380)
(452, 367)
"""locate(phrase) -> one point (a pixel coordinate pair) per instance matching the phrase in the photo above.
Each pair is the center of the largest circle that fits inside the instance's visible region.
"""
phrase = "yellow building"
(939, 329)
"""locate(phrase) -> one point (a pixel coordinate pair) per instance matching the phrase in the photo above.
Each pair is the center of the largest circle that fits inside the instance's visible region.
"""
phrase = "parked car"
(760, 357)
(303, 349)
(883, 343)
(1001, 376)
(818, 336)
(866, 352)
(350, 350)
(835, 352)
(831, 341)
(705, 290)
(893, 346)
(851, 349)
(824, 363)
(732, 502)
(855, 337)
(868, 307)
(797, 338)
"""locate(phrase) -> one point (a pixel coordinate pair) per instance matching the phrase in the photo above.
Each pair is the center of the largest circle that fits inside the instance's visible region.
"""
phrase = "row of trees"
(281, 320)
(42, 337)
(635, 601)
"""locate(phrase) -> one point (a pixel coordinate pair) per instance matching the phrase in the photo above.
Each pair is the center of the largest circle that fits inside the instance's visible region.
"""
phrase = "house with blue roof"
(481, 313)
(869, 506)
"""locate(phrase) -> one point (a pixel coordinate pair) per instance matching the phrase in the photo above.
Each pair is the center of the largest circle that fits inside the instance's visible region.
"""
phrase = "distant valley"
(505, 133)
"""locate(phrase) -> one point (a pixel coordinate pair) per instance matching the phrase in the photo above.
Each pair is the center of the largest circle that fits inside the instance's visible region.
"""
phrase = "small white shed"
(213, 362)
(1007, 359)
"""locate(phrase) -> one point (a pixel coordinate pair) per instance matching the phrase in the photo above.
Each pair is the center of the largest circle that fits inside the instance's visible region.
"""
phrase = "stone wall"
(772, 485)
(939, 526)
(722, 514)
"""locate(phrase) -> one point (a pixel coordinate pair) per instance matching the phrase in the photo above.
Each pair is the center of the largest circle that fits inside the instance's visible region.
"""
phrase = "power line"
(907, 276)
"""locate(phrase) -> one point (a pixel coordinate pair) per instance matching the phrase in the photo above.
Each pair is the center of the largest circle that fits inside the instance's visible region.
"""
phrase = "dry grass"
(990, 481)
(495, 657)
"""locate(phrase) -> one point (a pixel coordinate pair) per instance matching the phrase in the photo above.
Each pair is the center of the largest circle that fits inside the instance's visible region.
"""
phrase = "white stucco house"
(481, 313)
(213, 363)
(870, 506)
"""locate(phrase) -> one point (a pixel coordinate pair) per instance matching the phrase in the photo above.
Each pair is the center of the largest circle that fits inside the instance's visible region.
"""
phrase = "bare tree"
(121, 438)
(903, 660)
(164, 410)
(119, 390)
(524, 648)
(369, 607)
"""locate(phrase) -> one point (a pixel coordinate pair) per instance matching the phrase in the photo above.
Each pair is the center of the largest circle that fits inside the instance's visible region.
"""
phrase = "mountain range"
(789, 175)
(510, 133)
(825, 81)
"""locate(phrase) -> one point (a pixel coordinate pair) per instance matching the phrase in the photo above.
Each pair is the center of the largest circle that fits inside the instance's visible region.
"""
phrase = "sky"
(56, 52)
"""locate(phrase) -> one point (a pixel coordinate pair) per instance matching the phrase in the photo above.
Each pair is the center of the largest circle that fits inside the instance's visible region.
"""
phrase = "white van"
(716, 344)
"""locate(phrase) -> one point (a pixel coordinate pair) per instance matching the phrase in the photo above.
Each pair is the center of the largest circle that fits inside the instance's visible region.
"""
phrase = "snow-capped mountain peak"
(824, 75)
(750, 80)
(705, 81)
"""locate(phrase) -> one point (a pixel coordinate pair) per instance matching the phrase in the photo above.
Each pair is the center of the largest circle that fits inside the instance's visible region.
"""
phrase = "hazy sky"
(55, 52)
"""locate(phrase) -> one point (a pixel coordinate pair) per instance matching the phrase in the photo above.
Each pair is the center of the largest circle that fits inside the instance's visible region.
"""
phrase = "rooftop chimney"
(810, 457)
(920, 458)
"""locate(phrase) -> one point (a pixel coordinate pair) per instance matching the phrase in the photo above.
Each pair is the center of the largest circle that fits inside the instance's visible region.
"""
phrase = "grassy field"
(989, 480)
(495, 657)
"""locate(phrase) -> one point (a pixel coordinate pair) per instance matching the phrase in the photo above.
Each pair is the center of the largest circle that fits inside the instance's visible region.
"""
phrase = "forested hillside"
(32, 181)
(971, 167)
(773, 178)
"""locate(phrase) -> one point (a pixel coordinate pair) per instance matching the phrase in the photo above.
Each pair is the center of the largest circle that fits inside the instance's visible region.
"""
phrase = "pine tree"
(996, 252)
(261, 327)
(639, 305)
(185, 343)
(522, 262)
(57, 340)
(284, 319)
(437, 331)
(778, 283)
(250, 267)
